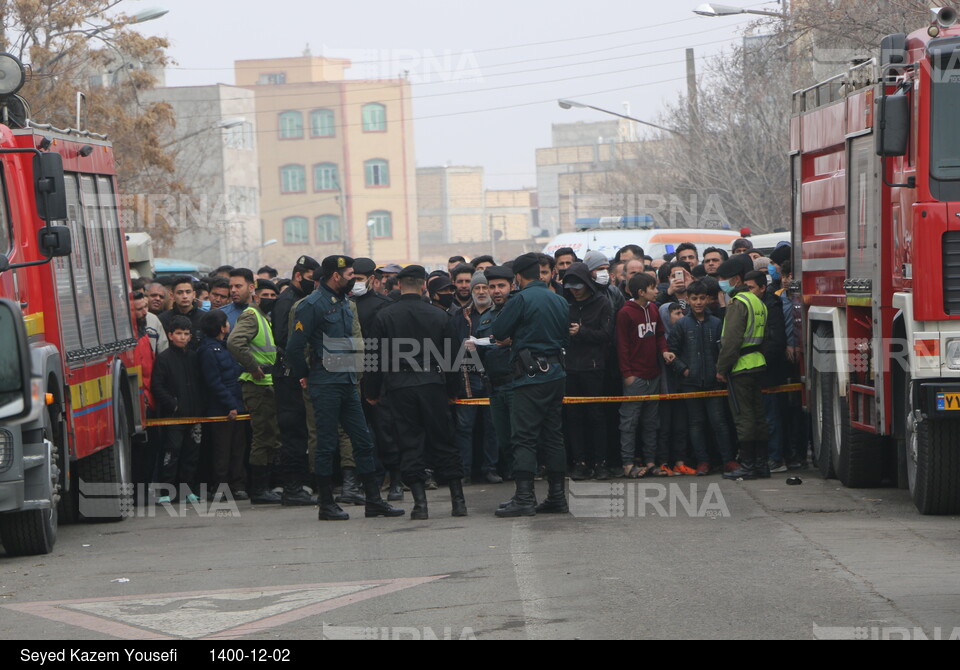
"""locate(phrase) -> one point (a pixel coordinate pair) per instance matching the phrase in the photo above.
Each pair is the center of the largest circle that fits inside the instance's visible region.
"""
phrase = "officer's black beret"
(499, 272)
(333, 264)
(411, 271)
(364, 266)
(306, 264)
(439, 283)
(525, 262)
(781, 254)
(265, 285)
(737, 266)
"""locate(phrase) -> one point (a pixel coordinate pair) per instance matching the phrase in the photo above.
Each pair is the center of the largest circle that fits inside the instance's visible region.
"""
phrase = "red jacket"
(641, 340)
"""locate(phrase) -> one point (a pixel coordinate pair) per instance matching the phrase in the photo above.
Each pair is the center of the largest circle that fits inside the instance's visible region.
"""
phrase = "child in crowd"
(177, 390)
(695, 339)
(641, 342)
(221, 377)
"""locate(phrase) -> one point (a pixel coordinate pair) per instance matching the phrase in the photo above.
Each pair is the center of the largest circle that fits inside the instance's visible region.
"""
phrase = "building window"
(377, 172)
(291, 125)
(382, 225)
(272, 79)
(293, 179)
(325, 177)
(374, 118)
(322, 123)
(328, 229)
(296, 230)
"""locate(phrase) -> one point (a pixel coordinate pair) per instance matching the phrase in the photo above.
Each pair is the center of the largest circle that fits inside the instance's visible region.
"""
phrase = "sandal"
(642, 471)
(629, 472)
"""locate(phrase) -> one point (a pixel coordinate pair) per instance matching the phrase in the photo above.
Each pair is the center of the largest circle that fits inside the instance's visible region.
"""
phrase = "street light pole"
(567, 104)
(371, 224)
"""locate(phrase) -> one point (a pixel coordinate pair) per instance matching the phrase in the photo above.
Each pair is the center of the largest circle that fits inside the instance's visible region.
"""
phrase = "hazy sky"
(486, 74)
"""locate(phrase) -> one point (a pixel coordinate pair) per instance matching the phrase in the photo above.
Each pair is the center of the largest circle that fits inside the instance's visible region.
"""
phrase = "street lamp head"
(567, 104)
(268, 243)
(149, 15)
(371, 223)
(712, 9)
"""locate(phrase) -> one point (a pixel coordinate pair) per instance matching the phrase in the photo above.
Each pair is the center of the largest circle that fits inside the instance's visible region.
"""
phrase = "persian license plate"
(948, 402)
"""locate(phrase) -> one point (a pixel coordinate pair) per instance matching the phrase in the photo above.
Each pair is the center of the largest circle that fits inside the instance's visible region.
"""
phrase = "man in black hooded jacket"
(591, 336)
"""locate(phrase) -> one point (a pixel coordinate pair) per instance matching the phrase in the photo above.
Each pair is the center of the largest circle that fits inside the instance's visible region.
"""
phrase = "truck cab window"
(6, 235)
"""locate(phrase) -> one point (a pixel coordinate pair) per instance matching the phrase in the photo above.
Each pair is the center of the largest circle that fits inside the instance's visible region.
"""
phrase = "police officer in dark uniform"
(420, 388)
(324, 320)
(291, 410)
(536, 320)
(369, 303)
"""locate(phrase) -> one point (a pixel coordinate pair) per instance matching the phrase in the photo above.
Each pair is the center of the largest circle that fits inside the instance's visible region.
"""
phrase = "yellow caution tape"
(789, 388)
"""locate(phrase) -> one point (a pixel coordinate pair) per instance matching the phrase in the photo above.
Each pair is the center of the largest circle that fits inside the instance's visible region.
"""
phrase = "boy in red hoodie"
(641, 342)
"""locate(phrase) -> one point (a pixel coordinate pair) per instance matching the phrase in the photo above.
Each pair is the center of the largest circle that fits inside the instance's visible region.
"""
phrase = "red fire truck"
(876, 185)
(70, 398)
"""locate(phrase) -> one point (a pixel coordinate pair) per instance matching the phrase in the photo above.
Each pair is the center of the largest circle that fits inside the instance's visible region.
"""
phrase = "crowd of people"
(237, 343)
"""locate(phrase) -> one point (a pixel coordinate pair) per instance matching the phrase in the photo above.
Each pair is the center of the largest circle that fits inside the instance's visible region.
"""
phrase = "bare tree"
(88, 46)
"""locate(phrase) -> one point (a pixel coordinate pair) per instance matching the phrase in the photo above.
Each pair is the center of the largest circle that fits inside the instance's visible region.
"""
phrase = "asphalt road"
(742, 560)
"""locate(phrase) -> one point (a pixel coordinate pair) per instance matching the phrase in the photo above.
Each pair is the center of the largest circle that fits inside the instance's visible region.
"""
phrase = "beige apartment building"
(337, 169)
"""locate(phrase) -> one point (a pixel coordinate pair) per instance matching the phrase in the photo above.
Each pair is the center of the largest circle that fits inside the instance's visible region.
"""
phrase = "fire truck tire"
(855, 457)
(821, 440)
(933, 463)
(109, 466)
(29, 533)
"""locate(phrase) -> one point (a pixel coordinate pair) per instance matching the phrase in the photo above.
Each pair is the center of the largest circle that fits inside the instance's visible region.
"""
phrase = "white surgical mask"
(603, 277)
(359, 289)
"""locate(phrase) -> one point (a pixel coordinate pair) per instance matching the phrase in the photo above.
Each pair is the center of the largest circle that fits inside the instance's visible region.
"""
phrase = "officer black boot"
(419, 492)
(556, 502)
(351, 493)
(260, 483)
(329, 510)
(762, 464)
(524, 503)
(374, 504)
(396, 487)
(295, 496)
(457, 499)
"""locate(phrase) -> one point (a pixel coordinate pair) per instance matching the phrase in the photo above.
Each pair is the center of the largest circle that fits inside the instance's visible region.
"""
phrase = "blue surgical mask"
(725, 286)
(205, 306)
(774, 272)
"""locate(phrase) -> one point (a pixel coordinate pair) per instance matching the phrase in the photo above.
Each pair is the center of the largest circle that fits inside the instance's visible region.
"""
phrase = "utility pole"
(693, 105)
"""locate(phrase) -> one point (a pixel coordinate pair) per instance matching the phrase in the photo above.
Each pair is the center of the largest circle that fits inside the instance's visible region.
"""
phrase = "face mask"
(266, 304)
(359, 290)
(205, 306)
(348, 289)
(774, 272)
(308, 286)
(445, 300)
(603, 277)
(725, 287)
(562, 273)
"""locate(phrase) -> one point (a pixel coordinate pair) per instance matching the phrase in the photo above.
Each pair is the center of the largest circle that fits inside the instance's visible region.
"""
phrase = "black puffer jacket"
(176, 384)
(589, 349)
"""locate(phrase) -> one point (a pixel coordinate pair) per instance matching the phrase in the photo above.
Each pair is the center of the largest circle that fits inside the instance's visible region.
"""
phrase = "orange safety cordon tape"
(789, 388)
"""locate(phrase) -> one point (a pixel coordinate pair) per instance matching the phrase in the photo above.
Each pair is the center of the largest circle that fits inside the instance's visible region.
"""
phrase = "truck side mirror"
(893, 131)
(55, 241)
(50, 188)
(15, 388)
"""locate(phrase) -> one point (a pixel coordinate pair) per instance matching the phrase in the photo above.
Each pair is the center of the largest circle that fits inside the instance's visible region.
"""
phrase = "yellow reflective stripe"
(34, 324)
(91, 392)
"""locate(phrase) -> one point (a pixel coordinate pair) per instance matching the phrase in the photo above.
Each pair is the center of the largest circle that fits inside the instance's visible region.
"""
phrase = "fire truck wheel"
(855, 456)
(821, 438)
(56, 433)
(933, 462)
(109, 466)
